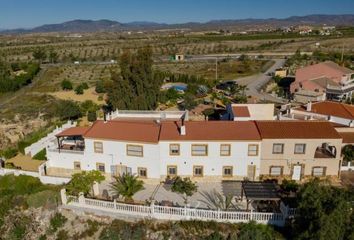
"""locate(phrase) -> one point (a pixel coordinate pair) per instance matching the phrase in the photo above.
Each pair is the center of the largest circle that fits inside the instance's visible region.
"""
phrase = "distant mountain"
(108, 25)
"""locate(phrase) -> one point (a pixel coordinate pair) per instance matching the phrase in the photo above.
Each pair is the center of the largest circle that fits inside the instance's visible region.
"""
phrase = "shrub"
(91, 116)
(67, 109)
(85, 85)
(79, 90)
(42, 155)
(62, 235)
(9, 153)
(43, 198)
(56, 222)
(100, 88)
(66, 85)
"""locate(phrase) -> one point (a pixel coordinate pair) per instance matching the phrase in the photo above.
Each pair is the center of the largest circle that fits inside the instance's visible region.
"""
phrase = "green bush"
(91, 116)
(85, 85)
(67, 109)
(56, 222)
(9, 153)
(66, 85)
(42, 155)
(100, 88)
(79, 90)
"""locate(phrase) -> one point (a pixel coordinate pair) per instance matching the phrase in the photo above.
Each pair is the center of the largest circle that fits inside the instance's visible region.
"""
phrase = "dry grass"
(25, 162)
(89, 94)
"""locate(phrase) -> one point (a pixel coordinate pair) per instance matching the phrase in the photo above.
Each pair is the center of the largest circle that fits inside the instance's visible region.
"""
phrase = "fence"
(40, 174)
(42, 143)
(172, 213)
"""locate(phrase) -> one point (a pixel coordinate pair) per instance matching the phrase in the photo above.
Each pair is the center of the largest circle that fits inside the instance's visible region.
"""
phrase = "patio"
(162, 194)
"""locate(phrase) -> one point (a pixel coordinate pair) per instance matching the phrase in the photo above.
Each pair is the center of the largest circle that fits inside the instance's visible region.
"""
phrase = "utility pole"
(216, 68)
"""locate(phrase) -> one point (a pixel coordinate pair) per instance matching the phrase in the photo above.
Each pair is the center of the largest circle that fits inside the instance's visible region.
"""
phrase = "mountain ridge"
(81, 25)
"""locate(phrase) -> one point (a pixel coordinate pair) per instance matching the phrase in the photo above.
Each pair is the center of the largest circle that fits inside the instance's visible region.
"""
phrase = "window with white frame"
(227, 171)
(77, 166)
(101, 167)
(199, 150)
(172, 171)
(98, 147)
(300, 148)
(276, 171)
(253, 150)
(278, 148)
(142, 172)
(174, 149)
(198, 171)
(225, 149)
(318, 171)
(135, 150)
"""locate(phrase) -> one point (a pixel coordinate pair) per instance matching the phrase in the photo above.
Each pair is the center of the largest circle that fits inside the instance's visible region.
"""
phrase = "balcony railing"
(72, 151)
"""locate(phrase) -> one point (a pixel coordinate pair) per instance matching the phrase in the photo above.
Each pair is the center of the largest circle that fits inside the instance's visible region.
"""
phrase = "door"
(296, 173)
(251, 172)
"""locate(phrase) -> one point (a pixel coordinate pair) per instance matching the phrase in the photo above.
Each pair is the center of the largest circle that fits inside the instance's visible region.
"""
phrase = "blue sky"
(30, 13)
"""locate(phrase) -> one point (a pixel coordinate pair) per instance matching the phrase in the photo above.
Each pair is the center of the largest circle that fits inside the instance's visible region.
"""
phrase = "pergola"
(75, 135)
(259, 191)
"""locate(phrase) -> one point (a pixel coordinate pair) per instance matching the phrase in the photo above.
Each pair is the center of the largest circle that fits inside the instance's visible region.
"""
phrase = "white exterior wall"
(115, 153)
(213, 163)
(157, 157)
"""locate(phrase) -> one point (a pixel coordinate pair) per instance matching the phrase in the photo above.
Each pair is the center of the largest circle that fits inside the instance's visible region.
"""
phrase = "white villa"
(158, 147)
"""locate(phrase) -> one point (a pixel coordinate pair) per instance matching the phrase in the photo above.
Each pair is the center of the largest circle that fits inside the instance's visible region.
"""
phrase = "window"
(300, 148)
(225, 150)
(171, 171)
(198, 171)
(100, 167)
(318, 171)
(135, 150)
(252, 150)
(77, 166)
(199, 150)
(278, 148)
(142, 172)
(276, 171)
(98, 147)
(174, 149)
(227, 171)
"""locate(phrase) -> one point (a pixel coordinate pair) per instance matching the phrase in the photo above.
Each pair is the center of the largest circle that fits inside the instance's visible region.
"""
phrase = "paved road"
(254, 83)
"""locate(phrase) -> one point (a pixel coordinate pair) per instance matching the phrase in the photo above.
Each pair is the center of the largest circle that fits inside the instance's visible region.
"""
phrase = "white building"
(204, 151)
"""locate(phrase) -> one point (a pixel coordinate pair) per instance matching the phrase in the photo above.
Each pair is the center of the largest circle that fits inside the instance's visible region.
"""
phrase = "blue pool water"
(180, 87)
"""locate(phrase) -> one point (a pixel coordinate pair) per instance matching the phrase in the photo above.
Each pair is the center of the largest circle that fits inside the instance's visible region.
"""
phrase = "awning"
(74, 131)
(260, 191)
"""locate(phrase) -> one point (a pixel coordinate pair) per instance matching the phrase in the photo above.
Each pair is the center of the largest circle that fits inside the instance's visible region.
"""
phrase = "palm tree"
(215, 200)
(126, 185)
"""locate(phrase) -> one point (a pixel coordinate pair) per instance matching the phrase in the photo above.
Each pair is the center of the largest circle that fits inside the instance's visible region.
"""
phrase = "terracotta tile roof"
(241, 111)
(136, 131)
(74, 131)
(324, 70)
(296, 130)
(348, 137)
(331, 108)
(210, 130)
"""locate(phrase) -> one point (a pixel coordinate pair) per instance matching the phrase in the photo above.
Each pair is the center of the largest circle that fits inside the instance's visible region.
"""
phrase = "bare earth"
(89, 94)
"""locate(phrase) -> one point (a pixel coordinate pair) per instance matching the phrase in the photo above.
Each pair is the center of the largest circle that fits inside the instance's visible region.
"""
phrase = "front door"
(251, 172)
(296, 172)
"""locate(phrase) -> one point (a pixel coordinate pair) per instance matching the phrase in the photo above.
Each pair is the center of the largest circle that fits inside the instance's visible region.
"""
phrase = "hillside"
(108, 25)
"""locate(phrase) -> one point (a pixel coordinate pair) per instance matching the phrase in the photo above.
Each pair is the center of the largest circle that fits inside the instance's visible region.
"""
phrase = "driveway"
(254, 83)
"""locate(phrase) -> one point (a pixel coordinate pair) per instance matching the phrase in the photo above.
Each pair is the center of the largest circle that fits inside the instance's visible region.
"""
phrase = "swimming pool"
(179, 87)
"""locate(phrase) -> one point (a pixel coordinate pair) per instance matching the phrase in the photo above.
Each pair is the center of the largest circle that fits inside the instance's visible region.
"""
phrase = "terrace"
(71, 140)
(325, 151)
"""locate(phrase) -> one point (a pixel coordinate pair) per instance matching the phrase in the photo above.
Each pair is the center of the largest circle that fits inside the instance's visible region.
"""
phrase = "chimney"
(309, 106)
(351, 124)
(183, 128)
(104, 117)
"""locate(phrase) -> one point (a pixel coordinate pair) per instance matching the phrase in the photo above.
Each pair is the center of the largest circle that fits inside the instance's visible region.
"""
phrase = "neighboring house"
(246, 112)
(153, 150)
(326, 79)
(340, 114)
(299, 148)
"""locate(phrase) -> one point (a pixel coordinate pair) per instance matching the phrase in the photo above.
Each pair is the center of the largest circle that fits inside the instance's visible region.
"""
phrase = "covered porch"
(71, 139)
(262, 195)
